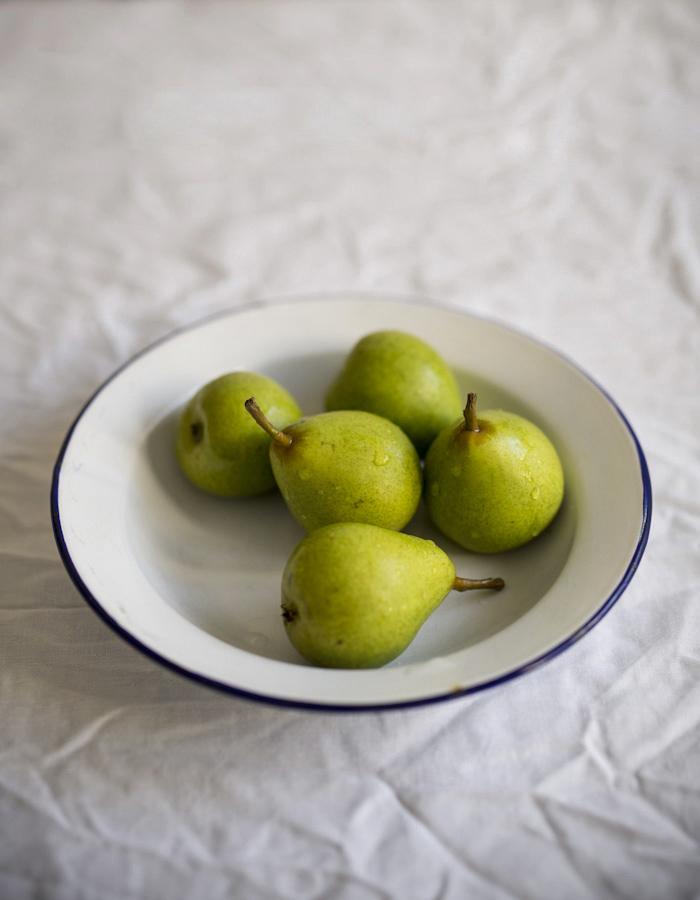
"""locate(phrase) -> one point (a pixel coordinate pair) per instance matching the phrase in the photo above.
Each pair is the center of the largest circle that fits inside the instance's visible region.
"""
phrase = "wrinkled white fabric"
(530, 161)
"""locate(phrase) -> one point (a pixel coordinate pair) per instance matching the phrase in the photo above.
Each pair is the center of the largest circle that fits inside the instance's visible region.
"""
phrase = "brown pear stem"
(476, 584)
(262, 420)
(471, 423)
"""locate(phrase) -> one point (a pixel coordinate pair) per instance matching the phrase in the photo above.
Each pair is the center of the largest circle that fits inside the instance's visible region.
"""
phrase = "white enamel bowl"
(194, 581)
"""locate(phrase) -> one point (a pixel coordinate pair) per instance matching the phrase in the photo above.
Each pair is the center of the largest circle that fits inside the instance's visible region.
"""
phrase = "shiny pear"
(344, 466)
(219, 447)
(400, 377)
(493, 482)
(354, 596)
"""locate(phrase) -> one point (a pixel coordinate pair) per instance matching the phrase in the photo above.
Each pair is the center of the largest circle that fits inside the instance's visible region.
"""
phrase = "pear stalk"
(262, 420)
(471, 423)
(476, 584)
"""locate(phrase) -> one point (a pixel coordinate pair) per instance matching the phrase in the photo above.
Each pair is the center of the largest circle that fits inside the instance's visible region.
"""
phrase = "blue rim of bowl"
(453, 694)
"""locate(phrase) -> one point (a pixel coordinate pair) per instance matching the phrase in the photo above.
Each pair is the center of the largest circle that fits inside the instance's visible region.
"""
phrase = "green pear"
(400, 377)
(344, 466)
(354, 596)
(492, 482)
(219, 447)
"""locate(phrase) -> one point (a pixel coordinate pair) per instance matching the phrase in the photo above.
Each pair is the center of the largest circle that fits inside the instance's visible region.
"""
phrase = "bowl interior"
(219, 562)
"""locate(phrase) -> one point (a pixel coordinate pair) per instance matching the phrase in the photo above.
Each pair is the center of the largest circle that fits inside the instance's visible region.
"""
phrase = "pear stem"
(470, 421)
(476, 584)
(262, 420)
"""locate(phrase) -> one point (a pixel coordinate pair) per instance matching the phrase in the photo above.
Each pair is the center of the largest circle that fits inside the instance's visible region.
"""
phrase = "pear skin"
(493, 482)
(400, 377)
(219, 447)
(345, 466)
(354, 595)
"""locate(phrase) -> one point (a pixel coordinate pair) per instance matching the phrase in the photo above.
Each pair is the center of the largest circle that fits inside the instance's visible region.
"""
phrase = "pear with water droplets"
(401, 377)
(494, 481)
(345, 466)
(354, 595)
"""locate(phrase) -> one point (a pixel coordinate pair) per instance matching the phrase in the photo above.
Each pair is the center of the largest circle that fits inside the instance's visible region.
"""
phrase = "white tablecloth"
(533, 162)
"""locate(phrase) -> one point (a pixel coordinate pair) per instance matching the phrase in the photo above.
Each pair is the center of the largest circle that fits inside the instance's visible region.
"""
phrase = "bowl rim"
(321, 297)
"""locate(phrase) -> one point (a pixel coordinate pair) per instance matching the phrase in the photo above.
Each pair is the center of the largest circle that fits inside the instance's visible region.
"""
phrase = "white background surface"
(533, 162)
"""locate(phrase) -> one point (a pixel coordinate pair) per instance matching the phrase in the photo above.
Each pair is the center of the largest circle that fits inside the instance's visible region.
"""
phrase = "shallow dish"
(194, 581)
